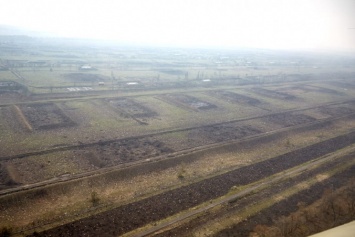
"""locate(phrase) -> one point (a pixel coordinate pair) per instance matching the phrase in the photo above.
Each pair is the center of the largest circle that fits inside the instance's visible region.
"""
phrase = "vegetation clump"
(335, 208)
(95, 200)
(5, 231)
(182, 172)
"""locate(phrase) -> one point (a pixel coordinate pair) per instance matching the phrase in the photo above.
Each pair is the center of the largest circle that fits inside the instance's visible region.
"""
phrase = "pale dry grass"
(229, 219)
(279, 198)
(125, 190)
(13, 173)
(303, 185)
(122, 191)
(43, 167)
(322, 177)
(23, 118)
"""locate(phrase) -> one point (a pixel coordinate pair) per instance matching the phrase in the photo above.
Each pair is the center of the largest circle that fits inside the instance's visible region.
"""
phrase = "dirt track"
(268, 215)
(132, 216)
(219, 132)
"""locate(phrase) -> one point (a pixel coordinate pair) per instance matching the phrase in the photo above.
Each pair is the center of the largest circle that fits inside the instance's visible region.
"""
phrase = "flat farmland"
(91, 143)
(105, 119)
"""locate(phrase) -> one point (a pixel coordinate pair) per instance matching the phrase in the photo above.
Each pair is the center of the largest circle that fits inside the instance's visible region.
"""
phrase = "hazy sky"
(309, 24)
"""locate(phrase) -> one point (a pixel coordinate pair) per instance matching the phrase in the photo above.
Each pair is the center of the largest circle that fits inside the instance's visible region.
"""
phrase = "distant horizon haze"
(273, 24)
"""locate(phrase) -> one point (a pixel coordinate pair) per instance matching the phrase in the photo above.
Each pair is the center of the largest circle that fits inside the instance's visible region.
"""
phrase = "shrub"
(94, 198)
(5, 231)
(181, 171)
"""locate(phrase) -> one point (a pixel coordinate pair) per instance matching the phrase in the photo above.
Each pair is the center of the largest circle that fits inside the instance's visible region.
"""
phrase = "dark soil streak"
(287, 206)
(234, 97)
(133, 215)
(273, 94)
(186, 102)
(46, 116)
(268, 214)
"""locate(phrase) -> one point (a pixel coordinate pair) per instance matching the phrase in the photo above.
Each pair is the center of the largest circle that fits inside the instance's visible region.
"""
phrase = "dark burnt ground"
(123, 151)
(313, 88)
(131, 216)
(232, 97)
(268, 215)
(273, 94)
(336, 111)
(12, 97)
(308, 88)
(342, 84)
(11, 119)
(288, 119)
(85, 77)
(173, 71)
(5, 179)
(132, 108)
(10, 86)
(221, 132)
(186, 102)
(46, 116)
(129, 108)
(197, 136)
(289, 205)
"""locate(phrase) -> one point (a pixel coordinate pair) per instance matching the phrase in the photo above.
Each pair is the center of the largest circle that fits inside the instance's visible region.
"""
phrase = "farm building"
(86, 68)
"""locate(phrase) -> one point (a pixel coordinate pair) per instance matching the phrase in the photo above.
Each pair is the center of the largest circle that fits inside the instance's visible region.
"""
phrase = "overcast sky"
(293, 24)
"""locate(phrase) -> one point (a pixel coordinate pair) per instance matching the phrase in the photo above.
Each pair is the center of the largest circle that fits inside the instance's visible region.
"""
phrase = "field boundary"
(103, 142)
(186, 156)
(314, 152)
(22, 118)
(252, 188)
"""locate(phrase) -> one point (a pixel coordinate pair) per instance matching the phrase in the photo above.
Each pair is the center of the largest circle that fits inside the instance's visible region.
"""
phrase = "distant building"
(101, 83)
(38, 63)
(86, 67)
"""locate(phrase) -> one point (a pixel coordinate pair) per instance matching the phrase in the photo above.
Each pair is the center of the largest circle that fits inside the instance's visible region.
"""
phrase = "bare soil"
(268, 215)
(133, 215)
(127, 150)
(221, 132)
(336, 111)
(297, 89)
(132, 108)
(46, 116)
(342, 84)
(12, 97)
(6, 180)
(288, 119)
(10, 86)
(93, 156)
(234, 97)
(187, 102)
(287, 206)
(273, 94)
(85, 77)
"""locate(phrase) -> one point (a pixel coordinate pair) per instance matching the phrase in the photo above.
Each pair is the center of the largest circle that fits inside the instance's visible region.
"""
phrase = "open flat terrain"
(176, 143)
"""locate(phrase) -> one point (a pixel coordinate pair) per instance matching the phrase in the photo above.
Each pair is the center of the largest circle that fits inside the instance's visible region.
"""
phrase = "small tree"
(5, 231)
(94, 198)
(181, 171)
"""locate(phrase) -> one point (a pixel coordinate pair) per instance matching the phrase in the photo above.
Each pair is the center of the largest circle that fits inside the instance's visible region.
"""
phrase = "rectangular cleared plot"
(273, 94)
(234, 97)
(288, 119)
(187, 102)
(132, 108)
(45, 116)
(336, 111)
